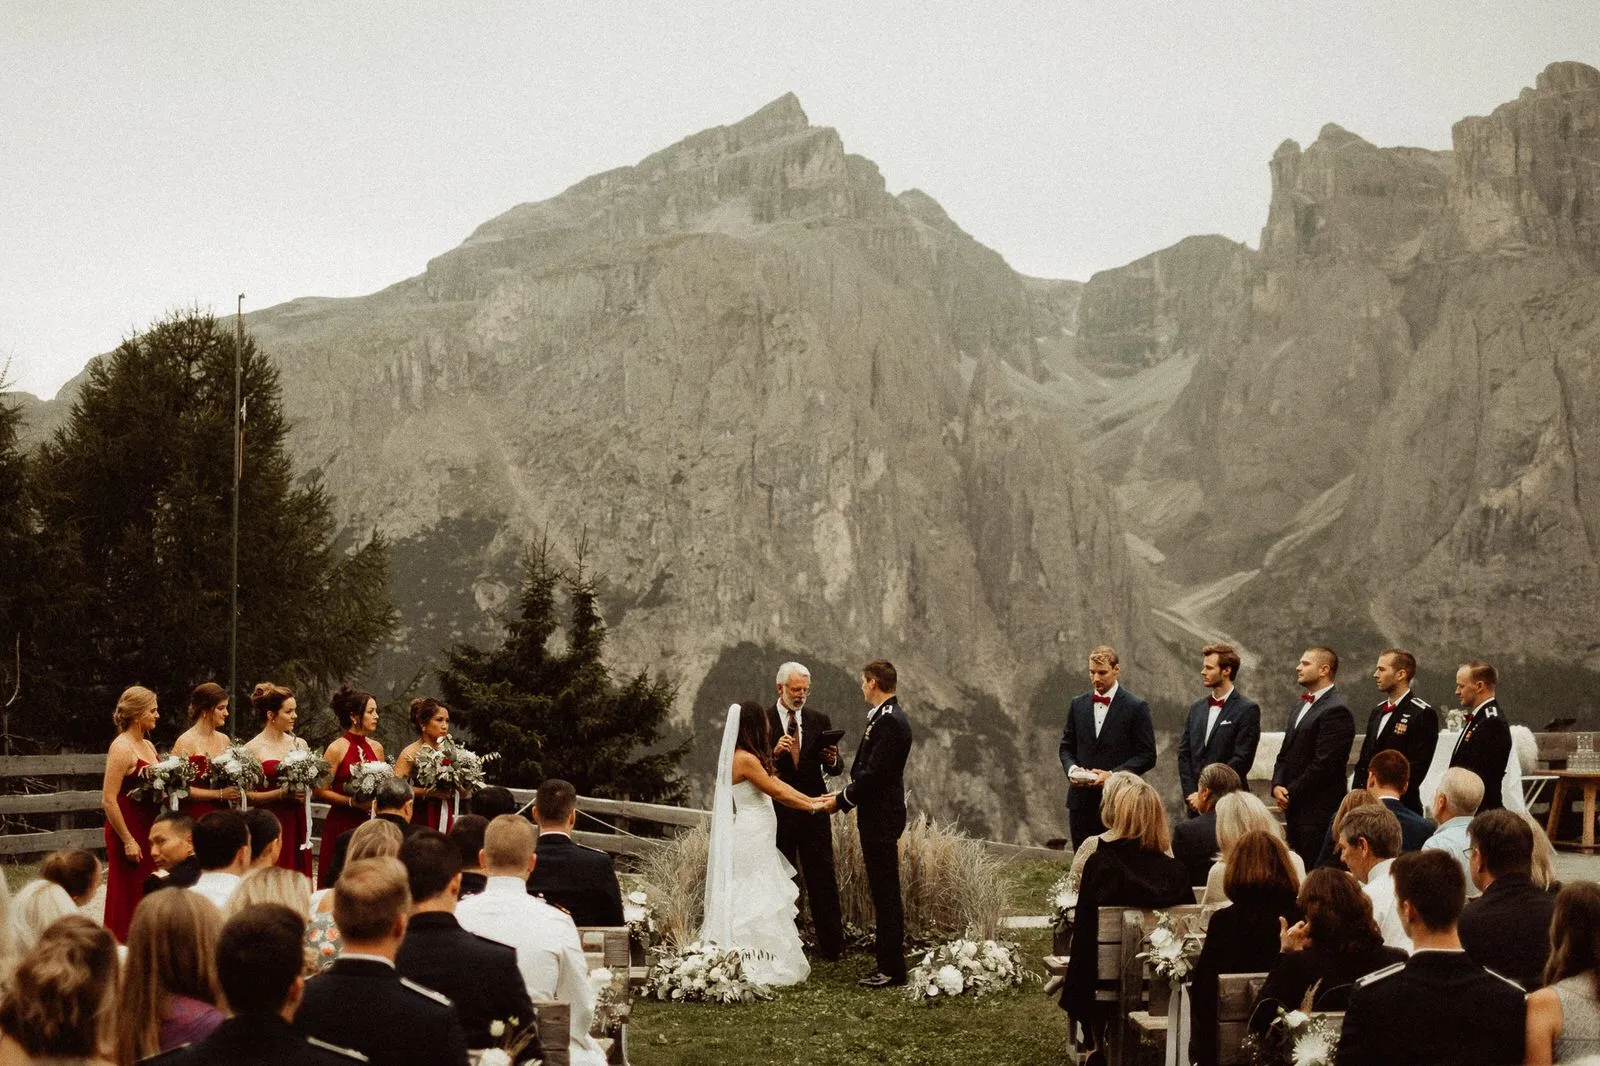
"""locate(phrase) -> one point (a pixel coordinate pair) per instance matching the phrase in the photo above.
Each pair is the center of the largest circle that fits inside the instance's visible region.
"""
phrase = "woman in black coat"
(1242, 937)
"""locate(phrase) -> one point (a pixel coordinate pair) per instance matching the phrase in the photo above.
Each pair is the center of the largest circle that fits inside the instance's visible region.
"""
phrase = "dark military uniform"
(182, 875)
(478, 974)
(1485, 749)
(1413, 730)
(365, 1004)
(1439, 1007)
(578, 879)
(257, 1040)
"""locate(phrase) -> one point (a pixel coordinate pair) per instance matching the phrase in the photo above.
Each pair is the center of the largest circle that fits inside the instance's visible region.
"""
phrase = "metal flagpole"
(238, 475)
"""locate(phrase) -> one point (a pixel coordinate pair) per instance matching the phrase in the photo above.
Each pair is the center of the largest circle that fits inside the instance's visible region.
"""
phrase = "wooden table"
(1589, 781)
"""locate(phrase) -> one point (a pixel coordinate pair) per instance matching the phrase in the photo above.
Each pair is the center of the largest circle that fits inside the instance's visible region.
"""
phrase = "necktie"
(794, 726)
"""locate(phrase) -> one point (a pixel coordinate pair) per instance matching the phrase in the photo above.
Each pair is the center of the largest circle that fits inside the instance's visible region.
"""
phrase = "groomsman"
(1224, 727)
(1308, 778)
(1485, 744)
(1108, 729)
(1402, 723)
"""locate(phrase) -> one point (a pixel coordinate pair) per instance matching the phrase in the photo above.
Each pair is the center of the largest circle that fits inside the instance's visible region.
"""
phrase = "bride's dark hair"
(755, 736)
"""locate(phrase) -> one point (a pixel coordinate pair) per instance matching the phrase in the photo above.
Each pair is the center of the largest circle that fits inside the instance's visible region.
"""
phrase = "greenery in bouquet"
(366, 778)
(1170, 950)
(460, 769)
(610, 999)
(1295, 1038)
(1062, 901)
(966, 968)
(640, 914)
(164, 781)
(703, 973)
(302, 770)
(239, 768)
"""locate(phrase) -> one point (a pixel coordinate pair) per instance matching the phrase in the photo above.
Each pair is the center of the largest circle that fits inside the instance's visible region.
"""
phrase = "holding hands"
(825, 804)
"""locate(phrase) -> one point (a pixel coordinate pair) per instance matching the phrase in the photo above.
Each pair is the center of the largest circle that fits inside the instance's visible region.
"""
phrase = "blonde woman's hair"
(61, 999)
(376, 838)
(1239, 813)
(172, 950)
(38, 906)
(272, 884)
(1139, 815)
(133, 702)
(1116, 781)
(1543, 872)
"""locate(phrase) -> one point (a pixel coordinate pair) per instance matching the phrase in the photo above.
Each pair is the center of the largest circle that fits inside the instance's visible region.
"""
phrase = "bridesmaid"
(276, 706)
(432, 720)
(208, 713)
(128, 820)
(358, 715)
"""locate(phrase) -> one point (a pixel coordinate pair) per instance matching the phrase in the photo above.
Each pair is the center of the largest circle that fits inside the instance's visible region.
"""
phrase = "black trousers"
(882, 858)
(806, 840)
(1084, 822)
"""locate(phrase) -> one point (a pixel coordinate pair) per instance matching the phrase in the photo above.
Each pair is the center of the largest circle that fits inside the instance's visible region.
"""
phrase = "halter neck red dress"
(340, 818)
(291, 816)
(124, 879)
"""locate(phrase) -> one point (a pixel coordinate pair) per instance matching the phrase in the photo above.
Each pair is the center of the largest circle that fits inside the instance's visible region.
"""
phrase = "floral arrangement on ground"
(967, 968)
(702, 973)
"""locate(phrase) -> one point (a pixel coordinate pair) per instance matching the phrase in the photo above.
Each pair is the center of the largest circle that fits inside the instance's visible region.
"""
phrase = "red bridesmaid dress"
(196, 808)
(340, 818)
(291, 816)
(124, 879)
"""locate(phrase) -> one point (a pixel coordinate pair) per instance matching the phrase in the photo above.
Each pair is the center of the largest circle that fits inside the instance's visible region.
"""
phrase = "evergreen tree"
(18, 544)
(136, 493)
(559, 714)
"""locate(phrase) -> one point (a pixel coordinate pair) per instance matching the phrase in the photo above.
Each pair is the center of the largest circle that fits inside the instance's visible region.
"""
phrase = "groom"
(877, 790)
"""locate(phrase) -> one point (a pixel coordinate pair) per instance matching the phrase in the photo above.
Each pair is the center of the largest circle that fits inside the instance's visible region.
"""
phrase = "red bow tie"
(1213, 701)
(1387, 707)
(1306, 697)
(1103, 699)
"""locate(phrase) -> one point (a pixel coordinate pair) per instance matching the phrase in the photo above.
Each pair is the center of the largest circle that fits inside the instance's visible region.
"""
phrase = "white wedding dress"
(751, 896)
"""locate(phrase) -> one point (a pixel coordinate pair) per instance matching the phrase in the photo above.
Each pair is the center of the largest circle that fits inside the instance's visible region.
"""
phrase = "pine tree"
(136, 491)
(560, 714)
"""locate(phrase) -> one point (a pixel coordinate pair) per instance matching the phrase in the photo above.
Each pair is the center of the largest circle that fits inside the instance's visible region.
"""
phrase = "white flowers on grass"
(703, 973)
(966, 967)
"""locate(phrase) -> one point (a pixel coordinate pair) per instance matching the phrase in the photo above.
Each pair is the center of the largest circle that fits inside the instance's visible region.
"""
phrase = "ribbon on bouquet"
(1178, 1025)
(305, 845)
(450, 812)
(172, 799)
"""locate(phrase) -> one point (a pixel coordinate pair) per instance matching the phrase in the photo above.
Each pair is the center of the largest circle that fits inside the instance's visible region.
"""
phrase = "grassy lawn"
(829, 1020)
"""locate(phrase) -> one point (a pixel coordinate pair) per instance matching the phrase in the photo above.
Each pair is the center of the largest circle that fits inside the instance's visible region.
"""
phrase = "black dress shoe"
(880, 980)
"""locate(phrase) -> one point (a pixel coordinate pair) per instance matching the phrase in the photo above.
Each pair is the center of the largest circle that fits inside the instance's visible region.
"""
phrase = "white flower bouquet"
(705, 973)
(452, 768)
(640, 914)
(239, 768)
(610, 988)
(302, 771)
(365, 779)
(1170, 950)
(1063, 900)
(966, 968)
(512, 1042)
(1295, 1038)
(166, 781)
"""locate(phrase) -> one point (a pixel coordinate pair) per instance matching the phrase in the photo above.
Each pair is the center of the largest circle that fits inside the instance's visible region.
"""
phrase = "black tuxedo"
(1485, 749)
(1311, 766)
(368, 1006)
(1127, 741)
(1233, 739)
(877, 793)
(806, 839)
(1413, 731)
(478, 974)
(580, 880)
(341, 846)
(1194, 843)
(1438, 1007)
(256, 1040)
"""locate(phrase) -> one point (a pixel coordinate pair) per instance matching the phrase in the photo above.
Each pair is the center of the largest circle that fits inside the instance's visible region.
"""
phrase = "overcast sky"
(169, 154)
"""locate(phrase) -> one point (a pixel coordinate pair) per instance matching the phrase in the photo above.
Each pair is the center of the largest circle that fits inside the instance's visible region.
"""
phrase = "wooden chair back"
(1236, 998)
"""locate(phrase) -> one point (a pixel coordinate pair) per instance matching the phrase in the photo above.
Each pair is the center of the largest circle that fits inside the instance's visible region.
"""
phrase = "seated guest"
(1336, 942)
(1115, 782)
(466, 833)
(1239, 813)
(1194, 841)
(490, 803)
(1460, 792)
(258, 967)
(1134, 870)
(170, 996)
(478, 974)
(1564, 1017)
(1369, 842)
(549, 953)
(394, 804)
(77, 871)
(580, 880)
(39, 905)
(172, 849)
(1507, 929)
(272, 884)
(1243, 936)
(266, 837)
(60, 1000)
(374, 839)
(222, 844)
(362, 1002)
(1388, 776)
(1439, 1006)
(1356, 797)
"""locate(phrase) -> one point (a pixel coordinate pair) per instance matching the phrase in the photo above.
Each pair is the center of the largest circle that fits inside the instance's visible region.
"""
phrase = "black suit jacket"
(1507, 929)
(1414, 828)
(478, 974)
(1240, 938)
(1312, 760)
(341, 846)
(182, 875)
(1413, 731)
(1127, 741)
(368, 1006)
(1194, 843)
(1233, 739)
(806, 774)
(877, 775)
(578, 879)
(1437, 1009)
(1485, 749)
(256, 1040)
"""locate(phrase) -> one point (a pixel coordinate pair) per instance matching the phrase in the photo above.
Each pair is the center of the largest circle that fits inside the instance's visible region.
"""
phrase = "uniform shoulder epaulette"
(1420, 702)
(492, 942)
(343, 1052)
(1507, 980)
(1378, 975)
(169, 1055)
(1491, 712)
(423, 990)
(586, 847)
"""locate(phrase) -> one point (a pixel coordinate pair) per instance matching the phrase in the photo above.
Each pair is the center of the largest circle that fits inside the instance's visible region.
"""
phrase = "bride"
(750, 889)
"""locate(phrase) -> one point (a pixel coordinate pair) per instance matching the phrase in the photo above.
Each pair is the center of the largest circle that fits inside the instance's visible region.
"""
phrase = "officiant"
(801, 756)
(1108, 728)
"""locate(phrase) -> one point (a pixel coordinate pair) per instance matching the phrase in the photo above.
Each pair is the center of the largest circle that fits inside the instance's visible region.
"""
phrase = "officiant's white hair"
(792, 668)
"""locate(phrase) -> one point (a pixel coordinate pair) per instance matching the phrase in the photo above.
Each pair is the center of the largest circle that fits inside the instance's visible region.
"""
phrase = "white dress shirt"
(1103, 709)
(217, 886)
(1306, 705)
(549, 953)
(1385, 907)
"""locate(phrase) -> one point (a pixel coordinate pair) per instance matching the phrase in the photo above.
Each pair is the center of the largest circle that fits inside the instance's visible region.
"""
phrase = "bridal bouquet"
(365, 778)
(1295, 1038)
(1171, 951)
(165, 781)
(239, 768)
(703, 973)
(966, 967)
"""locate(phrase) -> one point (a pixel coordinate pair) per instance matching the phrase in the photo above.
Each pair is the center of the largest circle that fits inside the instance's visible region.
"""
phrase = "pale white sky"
(175, 153)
